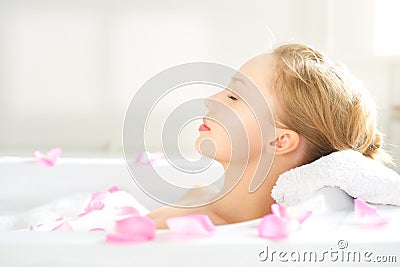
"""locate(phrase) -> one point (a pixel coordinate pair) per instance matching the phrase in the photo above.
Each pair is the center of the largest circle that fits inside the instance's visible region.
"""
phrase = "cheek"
(215, 144)
(244, 133)
(253, 131)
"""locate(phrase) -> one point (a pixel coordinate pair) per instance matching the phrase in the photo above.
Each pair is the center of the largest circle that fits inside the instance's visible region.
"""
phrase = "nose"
(208, 102)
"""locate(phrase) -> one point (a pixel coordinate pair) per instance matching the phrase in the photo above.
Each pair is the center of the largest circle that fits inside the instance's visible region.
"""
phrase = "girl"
(317, 109)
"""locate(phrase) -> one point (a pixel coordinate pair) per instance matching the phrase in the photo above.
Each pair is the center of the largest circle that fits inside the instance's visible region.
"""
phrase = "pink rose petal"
(273, 227)
(113, 189)
(290, 213)
(94, 205)
(137, 225)
(146, 158)
(123, 238)
(281, 222)
(64, 227)
(126, 211)
(95, 202)
(362, 209)
(193, 224)
(83, 213)
(99, 195)
(133, 229)
(278, 210)
(97, 230)
(38, 155)
(49, 159)
(303, 215)
(367, 214)
(54, 153)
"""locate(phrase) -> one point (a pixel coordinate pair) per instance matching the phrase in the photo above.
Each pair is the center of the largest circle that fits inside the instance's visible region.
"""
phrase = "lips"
(204, 126)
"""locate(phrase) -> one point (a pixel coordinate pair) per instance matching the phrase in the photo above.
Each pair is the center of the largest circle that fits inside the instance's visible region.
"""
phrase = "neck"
(241, 205)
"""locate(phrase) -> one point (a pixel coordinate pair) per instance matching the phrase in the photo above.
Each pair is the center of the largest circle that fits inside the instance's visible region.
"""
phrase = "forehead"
(260, 70)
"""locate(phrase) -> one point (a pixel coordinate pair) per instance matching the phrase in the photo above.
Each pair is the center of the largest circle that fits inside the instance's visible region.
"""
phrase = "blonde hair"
(324, 104)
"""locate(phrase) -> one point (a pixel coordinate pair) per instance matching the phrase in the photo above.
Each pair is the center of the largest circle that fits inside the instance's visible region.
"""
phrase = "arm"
(162, 214)
(194, 195)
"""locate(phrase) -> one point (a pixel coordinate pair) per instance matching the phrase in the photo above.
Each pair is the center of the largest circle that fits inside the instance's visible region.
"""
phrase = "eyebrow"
(239, 80)
(239, 90)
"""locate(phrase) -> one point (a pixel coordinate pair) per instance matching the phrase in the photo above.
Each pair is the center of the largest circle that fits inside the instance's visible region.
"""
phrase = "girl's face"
(239, 118)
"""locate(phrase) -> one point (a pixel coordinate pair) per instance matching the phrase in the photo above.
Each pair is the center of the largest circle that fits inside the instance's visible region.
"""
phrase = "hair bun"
(375, 151)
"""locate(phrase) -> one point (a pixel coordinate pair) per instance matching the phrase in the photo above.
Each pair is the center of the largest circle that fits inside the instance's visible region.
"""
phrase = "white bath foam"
(66, 210)
(63, 207)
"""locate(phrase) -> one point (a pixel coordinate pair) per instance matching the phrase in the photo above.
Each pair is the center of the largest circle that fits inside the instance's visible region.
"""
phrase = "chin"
(208, 150)
(197, 144)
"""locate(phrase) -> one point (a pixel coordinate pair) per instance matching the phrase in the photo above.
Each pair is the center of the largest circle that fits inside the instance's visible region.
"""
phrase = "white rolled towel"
(357, 175)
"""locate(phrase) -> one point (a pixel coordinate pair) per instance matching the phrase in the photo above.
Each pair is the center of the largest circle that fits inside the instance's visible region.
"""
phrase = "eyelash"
(232, 97)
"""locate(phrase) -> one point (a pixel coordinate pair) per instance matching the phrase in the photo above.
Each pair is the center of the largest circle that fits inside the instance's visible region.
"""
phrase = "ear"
(286, 141)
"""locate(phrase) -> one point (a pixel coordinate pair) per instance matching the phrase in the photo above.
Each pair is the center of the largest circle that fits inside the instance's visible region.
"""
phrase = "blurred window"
(387, 24)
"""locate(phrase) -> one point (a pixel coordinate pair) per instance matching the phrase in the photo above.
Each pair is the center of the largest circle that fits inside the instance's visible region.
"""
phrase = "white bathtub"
(24, 185)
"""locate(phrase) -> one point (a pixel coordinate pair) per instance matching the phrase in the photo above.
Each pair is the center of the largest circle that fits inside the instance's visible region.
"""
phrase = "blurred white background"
(69, 68)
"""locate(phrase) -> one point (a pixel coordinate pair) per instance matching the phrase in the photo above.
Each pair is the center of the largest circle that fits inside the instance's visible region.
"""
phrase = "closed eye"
(232, 97)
